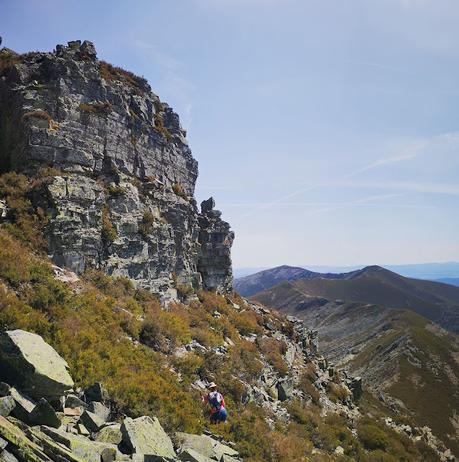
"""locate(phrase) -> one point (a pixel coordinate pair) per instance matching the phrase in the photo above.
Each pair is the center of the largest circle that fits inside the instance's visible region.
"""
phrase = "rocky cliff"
(122, 177)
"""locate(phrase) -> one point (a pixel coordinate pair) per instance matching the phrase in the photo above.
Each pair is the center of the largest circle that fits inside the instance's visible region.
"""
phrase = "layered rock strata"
(121, 195)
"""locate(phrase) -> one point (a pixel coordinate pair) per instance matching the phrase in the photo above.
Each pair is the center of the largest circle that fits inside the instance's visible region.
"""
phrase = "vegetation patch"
(8, 59)
(179, 191)
(109, 232)
(116, 190)
(146, 224)
(26, 221)
(117, 74)
(100, 108)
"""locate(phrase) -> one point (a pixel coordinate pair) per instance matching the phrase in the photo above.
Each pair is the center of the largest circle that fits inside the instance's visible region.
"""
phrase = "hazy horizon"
(326, 131)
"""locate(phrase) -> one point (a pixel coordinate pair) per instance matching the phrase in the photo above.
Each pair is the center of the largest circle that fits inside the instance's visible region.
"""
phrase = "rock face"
(120, 196)
(32, 364)
(146, 436)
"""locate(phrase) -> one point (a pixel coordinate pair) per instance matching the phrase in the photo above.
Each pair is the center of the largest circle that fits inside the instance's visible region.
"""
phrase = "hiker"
(217, 404)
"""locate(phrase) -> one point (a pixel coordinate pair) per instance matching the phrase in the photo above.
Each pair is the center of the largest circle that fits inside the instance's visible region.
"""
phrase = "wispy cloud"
(407, 186)
(411, 152)
(408, 153)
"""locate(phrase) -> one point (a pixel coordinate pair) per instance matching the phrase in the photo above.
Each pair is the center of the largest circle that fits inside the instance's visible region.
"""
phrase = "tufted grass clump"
(37, 114)
(146, 224)
(8, 59)
(99, 108)
(179, 190)
(112, 74)
(109, 232)
(116, 190)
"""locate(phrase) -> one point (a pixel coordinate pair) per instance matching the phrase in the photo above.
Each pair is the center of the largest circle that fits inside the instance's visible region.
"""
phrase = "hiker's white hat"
(212, 385)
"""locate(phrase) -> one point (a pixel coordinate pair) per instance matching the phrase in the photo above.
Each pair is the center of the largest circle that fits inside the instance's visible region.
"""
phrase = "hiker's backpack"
(215, 400)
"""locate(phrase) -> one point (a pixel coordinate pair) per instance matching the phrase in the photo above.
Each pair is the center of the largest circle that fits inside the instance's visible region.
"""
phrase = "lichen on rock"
(123, 198)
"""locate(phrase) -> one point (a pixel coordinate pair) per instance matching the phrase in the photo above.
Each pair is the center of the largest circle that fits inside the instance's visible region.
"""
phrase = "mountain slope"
(410, 364)
(436, 301)
(254, 283)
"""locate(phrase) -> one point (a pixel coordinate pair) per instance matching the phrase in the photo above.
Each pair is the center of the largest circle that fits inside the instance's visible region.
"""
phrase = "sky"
(326, 130)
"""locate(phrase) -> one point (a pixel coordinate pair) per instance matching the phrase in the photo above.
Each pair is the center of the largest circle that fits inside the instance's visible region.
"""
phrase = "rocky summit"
(120, 195)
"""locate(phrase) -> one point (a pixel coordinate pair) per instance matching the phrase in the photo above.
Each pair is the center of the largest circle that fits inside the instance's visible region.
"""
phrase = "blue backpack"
(215, 401)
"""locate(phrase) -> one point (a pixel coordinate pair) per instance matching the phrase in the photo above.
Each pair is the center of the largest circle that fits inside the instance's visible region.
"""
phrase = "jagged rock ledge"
(120, 195)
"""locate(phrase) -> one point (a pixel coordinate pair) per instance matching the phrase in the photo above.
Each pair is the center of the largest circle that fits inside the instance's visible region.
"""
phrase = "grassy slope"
(95, 323)
(104, 328)
(427, 372)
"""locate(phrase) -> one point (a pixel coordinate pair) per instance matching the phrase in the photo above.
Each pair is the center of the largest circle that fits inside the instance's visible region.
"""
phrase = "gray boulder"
(7, 404)
(91, 421)
(44, 414)
(146, 436)
(96, 392)
(29, 362)
(100, 410)
(73, 401)
(110, 434)
(204, 445)
(24, 406)
(189, 455)
(285, 390)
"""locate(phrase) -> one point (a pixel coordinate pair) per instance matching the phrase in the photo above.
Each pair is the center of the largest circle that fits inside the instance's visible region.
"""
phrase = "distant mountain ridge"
(436, 301)
(379, 325)
(254, 283)
(430, 271)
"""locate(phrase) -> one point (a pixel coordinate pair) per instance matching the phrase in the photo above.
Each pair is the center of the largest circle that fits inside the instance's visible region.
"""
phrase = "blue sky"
(326, 130)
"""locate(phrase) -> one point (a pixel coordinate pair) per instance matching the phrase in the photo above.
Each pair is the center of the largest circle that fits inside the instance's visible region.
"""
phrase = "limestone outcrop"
(122, 176)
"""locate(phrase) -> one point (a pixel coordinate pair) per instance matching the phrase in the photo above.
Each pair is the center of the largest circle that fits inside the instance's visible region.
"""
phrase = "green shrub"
(109, 232)
(25, 221)
(373, 437)
(116, 190)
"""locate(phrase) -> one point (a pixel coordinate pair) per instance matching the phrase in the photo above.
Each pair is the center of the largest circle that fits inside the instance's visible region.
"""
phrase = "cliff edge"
(120, 194)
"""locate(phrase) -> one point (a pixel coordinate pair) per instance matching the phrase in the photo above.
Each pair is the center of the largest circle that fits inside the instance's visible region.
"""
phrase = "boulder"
(24, 447)
(73, 401)
(226, 458)
(204, 445)
(207, 205)
(189, 455)
(6, 456)
(82, 448)
(355, 385)
(110, 434)
(29, 362)
(100, 410)
(91, 421)
(7, 404)
(96, 392)
(285, 390)
(24, 406)
(82, 430)
(44, 414)
(146, 436)
(4, 389)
